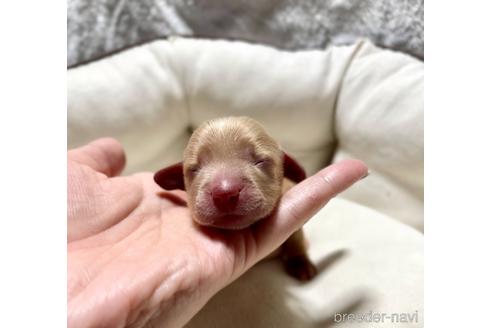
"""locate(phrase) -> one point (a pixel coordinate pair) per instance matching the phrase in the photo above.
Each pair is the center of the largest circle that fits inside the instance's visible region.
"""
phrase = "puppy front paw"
(300, 267)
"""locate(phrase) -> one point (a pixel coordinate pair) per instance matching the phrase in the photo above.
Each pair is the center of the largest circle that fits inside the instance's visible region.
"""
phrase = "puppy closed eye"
(193, 169)
(262, 162)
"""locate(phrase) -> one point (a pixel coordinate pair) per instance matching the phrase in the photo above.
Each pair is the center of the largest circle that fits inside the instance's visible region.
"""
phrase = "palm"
(147, 228)
(133, 247)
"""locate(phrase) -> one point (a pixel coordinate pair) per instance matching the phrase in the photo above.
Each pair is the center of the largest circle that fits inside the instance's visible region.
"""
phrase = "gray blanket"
(99, 27)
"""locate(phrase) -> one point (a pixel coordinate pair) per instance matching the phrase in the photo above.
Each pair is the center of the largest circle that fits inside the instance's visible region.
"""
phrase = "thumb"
(105, 155)
(304, 200)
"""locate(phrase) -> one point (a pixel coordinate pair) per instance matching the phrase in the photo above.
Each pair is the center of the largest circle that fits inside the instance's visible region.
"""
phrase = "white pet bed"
(356, 101)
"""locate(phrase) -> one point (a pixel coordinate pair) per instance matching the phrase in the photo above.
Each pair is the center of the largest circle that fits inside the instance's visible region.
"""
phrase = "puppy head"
(233, 172)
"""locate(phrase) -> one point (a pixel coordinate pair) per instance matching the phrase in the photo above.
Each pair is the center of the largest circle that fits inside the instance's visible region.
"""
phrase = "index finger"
(304, 200)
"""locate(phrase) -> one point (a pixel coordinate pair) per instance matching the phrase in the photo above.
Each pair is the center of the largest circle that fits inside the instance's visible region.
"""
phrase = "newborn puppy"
(234, 174)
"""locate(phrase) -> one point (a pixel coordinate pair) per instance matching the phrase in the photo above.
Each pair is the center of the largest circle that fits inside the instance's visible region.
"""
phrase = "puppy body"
(234, 174)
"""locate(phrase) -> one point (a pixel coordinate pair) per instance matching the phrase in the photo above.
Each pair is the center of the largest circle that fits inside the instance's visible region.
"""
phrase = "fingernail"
(365, 175)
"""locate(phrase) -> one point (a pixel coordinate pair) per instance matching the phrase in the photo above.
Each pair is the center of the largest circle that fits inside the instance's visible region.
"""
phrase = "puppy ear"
(170, 177)
(293, 170)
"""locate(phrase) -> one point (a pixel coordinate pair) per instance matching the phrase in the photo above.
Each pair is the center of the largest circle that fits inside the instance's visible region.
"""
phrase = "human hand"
(135, 256)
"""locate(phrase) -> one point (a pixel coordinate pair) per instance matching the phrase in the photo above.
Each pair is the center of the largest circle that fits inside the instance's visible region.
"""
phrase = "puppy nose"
(225, 193)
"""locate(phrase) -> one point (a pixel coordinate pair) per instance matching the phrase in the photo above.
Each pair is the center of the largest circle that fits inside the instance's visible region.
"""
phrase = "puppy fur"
(234, 174)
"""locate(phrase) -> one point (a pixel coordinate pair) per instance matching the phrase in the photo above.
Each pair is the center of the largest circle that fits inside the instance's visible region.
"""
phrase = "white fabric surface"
(356, 101)
(367, 262)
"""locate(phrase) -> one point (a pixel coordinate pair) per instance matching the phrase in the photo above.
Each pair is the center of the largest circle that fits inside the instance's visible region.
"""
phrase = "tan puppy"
(234, 174)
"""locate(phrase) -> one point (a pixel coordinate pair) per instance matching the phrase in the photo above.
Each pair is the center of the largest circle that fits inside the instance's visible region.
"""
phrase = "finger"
(105, 155)
(304, 200)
